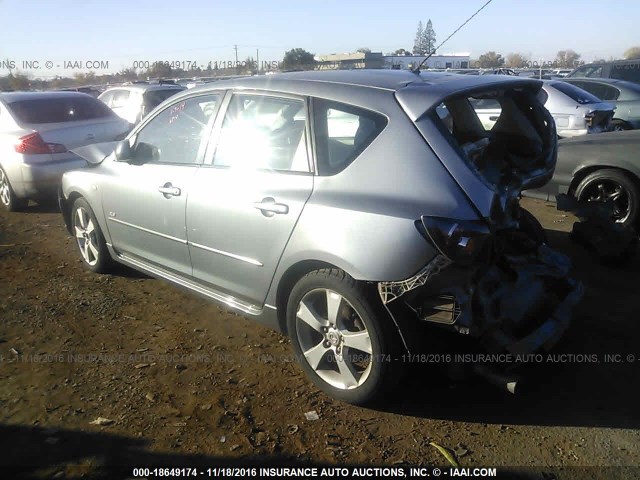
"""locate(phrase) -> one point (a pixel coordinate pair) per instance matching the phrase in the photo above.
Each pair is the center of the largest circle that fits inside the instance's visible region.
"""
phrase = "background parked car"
(306, 212)
(628, 70)
(575, 111)
(133, 102)
(604, 167)
(625, 96)
(37, 130)
(93, 91)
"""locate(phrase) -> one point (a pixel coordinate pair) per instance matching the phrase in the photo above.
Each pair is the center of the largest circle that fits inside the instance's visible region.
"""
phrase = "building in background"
(348, 61)
(403, 62)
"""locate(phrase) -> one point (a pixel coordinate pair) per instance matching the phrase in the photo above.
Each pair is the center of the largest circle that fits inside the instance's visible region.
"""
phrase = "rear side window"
(629, 72)
(342, 132)
(59, 109)
(264, 133)
(577, 94)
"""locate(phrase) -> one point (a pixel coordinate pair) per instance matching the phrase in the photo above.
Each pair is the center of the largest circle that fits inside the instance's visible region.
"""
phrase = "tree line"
(294, 59)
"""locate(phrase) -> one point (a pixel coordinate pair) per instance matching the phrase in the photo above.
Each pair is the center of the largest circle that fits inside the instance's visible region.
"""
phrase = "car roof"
(391, 80)
(146, 86)
(10, 97)
(417, 93)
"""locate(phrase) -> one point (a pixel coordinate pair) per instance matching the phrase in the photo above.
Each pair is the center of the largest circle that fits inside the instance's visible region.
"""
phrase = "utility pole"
(258, 60)
(235, 47)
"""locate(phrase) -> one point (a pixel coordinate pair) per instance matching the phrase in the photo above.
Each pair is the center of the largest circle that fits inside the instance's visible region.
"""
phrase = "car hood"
(95, 153)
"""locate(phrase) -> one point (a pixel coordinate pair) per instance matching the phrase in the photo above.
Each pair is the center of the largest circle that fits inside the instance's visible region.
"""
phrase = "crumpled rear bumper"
(549, 333)
(526, 301)
(519, 304)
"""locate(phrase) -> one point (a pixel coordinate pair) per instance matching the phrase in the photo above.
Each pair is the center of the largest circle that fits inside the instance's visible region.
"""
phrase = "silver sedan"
(37, 132)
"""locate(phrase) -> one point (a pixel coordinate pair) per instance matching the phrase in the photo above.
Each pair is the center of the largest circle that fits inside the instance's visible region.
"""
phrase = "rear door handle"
(269, 207)
(169, 190)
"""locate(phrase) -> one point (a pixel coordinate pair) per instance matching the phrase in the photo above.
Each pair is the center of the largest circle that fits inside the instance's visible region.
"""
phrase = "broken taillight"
(461, 241)
(33, 144)
(588, 119)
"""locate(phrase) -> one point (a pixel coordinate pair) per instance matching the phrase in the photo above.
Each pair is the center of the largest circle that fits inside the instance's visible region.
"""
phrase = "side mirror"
(123, 151)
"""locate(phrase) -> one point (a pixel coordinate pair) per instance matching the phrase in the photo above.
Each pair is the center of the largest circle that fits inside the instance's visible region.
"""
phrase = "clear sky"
(122, 32)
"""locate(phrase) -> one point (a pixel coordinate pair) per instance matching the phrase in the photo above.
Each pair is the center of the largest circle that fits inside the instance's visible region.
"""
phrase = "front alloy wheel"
(89, 238)
(344, 339)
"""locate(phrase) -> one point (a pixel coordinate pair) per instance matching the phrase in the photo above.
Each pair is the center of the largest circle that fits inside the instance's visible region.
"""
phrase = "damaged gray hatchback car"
(342, 208)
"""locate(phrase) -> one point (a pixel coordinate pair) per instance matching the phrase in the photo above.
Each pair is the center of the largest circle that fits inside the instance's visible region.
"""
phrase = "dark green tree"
(428, 39)
(418, 47)
(298, 58)
(490, 60)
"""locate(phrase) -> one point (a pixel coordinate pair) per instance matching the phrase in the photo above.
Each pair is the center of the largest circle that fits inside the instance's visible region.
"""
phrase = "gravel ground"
(174, 380)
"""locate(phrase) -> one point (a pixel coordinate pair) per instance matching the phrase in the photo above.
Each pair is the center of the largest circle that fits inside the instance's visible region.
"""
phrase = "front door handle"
(169, 190)
(269, 207)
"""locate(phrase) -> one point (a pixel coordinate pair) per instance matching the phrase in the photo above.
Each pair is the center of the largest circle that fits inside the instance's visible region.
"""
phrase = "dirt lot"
(187, 383)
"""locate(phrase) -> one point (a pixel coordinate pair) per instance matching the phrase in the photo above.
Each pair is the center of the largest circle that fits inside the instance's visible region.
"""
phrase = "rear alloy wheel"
(338, 336)
(608, 185)
(7, 195)
(620, 125)
(89, 238)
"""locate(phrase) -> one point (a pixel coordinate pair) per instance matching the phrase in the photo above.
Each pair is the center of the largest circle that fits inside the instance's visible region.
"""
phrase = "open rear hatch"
(495, 279)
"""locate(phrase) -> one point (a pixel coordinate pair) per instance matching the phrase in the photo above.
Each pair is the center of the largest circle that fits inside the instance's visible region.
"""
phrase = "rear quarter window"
(342, 133)
(59, 110)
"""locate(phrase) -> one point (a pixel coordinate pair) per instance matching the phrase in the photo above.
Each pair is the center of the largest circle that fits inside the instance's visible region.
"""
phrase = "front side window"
(342, 132)
(176, 134)
(263, 133)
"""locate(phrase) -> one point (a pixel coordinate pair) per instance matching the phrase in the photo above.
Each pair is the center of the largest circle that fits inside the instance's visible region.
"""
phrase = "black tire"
(8, 197)
(612, 181)
(96, 259)
(619, 125)
(359, 312)
(530, 225)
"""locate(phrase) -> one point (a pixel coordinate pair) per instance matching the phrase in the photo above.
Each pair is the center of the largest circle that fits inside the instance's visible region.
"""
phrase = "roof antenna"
(417, 69)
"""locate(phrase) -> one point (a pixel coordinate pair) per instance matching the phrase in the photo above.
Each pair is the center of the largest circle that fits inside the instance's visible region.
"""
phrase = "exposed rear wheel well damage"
(288, 280)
